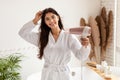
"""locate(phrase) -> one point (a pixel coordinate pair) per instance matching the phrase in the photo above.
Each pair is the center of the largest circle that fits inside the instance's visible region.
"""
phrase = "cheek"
(46, 22)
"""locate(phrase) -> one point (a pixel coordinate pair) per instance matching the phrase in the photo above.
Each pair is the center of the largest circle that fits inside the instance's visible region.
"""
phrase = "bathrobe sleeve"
(27, 34)
(81, 52)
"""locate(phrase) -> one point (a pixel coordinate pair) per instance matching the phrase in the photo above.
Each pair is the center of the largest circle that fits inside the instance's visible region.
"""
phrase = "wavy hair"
(44, 35)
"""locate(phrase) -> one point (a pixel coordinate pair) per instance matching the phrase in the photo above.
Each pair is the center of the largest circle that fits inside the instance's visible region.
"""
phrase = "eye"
(47, 19)
(53, 16)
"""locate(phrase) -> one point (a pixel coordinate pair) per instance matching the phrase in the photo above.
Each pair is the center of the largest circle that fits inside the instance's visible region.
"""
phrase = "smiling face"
(51, 20)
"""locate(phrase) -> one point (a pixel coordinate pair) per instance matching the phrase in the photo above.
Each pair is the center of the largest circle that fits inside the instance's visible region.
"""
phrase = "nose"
(51, 20)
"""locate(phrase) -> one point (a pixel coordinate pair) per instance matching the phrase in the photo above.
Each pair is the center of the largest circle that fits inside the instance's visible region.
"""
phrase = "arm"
(26, 31)
(81, 51)
(27, 34)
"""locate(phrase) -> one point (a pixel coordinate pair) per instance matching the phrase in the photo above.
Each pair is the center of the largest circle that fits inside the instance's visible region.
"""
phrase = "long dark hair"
(44, 35)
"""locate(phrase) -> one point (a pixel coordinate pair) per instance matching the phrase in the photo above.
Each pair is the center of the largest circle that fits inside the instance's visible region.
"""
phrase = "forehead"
(49, 14)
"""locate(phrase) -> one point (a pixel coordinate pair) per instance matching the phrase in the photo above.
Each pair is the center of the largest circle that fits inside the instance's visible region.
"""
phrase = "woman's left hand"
(85, 41)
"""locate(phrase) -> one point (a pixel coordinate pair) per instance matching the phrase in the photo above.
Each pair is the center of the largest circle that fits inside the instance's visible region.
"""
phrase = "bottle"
(104, 65)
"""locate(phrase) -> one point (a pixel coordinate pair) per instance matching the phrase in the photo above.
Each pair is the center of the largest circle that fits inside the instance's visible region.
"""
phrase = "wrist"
(35, 21)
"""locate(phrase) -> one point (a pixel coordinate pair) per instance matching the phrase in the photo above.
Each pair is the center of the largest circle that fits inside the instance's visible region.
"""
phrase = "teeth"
(52, 24)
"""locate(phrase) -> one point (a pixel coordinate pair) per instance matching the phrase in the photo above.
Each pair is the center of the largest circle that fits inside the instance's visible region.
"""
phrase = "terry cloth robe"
(57, 54)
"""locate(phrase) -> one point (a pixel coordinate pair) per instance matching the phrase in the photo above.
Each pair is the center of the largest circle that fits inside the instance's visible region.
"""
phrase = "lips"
(52, 24)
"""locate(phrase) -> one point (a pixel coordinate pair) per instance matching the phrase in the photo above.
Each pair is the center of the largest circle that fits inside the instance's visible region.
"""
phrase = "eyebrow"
(50, 16)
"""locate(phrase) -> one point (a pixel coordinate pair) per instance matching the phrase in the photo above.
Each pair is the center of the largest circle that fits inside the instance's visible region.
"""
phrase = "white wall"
(14, 13)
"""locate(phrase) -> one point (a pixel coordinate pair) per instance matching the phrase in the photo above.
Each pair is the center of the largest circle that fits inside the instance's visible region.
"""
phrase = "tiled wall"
(110, 5)
(118, 35)
(118, 23)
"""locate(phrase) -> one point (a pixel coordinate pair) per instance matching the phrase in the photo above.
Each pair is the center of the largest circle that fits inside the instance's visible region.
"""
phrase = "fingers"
(85, 41)
(37, 17)
(39, 12)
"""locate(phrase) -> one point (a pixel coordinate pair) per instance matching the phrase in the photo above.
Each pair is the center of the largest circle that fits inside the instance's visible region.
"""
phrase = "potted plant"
(9, 67)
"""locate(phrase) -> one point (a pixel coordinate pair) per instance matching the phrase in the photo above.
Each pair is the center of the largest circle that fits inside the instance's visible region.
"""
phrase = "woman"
(55, 45)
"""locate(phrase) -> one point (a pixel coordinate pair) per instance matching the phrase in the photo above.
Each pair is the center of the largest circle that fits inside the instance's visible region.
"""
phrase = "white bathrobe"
(57, 54)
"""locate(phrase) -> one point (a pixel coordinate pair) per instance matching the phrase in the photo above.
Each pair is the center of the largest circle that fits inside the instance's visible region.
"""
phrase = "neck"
(56, 31)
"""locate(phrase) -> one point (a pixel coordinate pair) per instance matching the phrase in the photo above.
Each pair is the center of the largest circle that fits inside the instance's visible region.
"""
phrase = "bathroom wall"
(117, 34)
(111, 50)
(15, 13)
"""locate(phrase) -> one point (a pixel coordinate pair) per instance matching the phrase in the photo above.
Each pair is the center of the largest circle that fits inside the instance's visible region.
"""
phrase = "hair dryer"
(82, 31)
